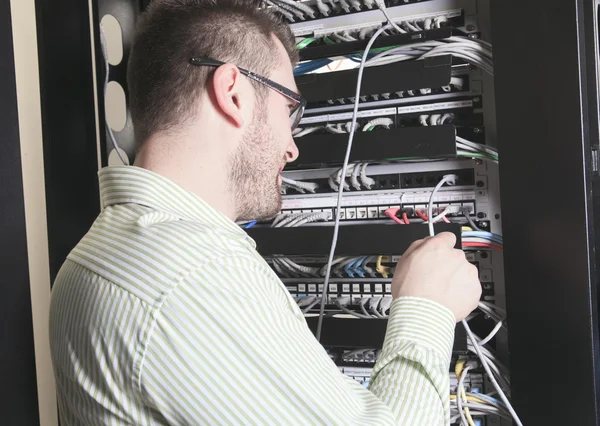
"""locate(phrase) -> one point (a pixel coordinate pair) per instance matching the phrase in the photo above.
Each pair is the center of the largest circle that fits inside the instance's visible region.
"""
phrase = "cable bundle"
(475, 51)
(357, 173)
(292, 220)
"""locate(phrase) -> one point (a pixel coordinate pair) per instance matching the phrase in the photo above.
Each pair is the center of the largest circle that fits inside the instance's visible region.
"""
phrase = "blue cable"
(348, 268)
(489, 399)
(309, 66)
(358, 267)
(251, 224)
(482, 234)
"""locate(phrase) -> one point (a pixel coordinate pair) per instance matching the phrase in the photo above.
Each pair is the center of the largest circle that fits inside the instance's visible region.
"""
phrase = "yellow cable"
(471, 398)
(383, 270)
(458, 369)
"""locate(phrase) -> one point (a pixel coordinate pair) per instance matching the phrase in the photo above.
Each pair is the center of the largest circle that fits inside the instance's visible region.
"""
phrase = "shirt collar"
(131, 184)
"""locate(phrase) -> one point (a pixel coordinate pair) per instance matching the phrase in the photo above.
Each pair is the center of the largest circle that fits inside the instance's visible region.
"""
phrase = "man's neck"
(206, 178)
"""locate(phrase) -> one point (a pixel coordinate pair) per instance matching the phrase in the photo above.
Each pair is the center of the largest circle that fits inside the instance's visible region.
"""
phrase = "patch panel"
(469, 79)
(456, 86)
(416, 107)
(375, 212)
(429, 179)
(398, 10)
(410, 75)
(390, 177)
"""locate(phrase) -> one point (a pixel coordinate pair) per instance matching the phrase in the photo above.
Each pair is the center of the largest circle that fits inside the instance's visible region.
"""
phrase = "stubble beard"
(254, 173)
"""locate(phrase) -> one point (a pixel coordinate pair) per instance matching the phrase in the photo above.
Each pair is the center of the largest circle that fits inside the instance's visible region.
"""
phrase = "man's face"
(267, 145)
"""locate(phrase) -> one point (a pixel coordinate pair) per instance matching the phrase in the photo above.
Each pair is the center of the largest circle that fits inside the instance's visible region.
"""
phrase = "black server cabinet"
(545, 56)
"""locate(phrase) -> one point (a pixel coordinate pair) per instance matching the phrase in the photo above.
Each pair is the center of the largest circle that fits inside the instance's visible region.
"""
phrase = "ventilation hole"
(115, 106)
(115, 160)
(113, 36)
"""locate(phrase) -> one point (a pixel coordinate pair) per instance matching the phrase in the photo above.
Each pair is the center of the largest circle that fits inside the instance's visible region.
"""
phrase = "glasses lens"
(296, 116)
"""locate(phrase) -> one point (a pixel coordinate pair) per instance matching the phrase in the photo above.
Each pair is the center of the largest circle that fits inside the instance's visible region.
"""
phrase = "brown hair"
(164, 86)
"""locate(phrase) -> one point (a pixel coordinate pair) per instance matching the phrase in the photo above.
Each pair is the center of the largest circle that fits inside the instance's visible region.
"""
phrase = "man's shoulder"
(150, 251)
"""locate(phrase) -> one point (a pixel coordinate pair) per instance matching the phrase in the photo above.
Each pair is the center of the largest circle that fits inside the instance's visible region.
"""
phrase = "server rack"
(546, 82)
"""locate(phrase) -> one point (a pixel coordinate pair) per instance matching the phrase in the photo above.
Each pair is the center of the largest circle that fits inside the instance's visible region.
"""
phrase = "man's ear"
(227, 86)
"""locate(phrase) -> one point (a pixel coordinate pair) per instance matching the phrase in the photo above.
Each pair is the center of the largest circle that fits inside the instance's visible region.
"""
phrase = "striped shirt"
(165, 314)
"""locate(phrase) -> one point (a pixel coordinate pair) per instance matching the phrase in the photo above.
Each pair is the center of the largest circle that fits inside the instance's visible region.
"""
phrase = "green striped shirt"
(165, 314)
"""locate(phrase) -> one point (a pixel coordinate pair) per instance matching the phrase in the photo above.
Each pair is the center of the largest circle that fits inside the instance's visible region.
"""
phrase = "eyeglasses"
(296, 112)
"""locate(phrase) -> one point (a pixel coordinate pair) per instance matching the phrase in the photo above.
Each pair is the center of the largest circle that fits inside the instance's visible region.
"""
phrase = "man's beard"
(254, 171)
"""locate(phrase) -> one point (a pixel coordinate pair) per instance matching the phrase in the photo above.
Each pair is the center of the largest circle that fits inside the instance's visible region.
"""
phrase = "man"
(165, 314)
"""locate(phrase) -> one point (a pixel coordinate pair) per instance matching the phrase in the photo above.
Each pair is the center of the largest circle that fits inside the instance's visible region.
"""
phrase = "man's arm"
(227, 348)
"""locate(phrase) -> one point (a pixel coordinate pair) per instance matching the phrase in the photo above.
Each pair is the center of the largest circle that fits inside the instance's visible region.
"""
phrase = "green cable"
(302, 44)
(327, 40)
(477, 155)
(370, 128)
(469, 155)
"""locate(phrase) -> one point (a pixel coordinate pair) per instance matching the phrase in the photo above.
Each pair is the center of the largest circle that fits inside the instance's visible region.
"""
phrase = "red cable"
(492, 246)
(422, 216)
(405, 218)
(445, 219)
(391, 214)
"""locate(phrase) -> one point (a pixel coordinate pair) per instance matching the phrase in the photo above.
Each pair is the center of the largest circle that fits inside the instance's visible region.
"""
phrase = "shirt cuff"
(423, 322)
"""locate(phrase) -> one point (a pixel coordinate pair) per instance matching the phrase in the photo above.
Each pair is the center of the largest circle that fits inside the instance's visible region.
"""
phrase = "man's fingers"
(415, 245)
(442, 240)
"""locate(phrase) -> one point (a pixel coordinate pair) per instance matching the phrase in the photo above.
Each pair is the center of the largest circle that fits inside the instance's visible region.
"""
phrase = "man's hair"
(164, 87)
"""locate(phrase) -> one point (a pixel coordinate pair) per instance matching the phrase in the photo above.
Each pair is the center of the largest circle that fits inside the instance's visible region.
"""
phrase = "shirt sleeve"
(229, 346)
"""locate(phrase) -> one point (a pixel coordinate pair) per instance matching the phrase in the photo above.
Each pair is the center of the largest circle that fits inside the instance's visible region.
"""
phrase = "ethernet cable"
(354, 179)
(366, 268)
(385, 271)
(452, 179)
(323, 8)
(335, 262)
(364, 179)
(300, 6)
(342, 302)
(464, 413)
(362, 304)
(289, 8)
(315, 217)
(373, 304)
(308, 186)
(381, 121)
(282, 10)
(385, 305)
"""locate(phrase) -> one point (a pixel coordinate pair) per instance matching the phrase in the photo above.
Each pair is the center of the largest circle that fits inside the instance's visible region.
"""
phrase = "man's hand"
(433, 269)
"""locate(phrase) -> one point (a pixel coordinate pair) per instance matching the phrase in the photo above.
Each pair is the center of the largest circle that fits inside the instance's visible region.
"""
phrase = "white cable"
(381, 121)
(434, 119)
(285, 12)
(345, 5)
(475, 345)
(423, 120)
(486, 367)
(459, 390)
(492, 334)
(381, 5)
(299, 5)
(340, 302)
(336, 226)
(306, 131)
(364, 179)
(451, 180)
(290, 7)
(332, 129)
(354, 179)
(309, 186)
(446, 117)
(355, 4)
(323, 8)
(106, 80)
